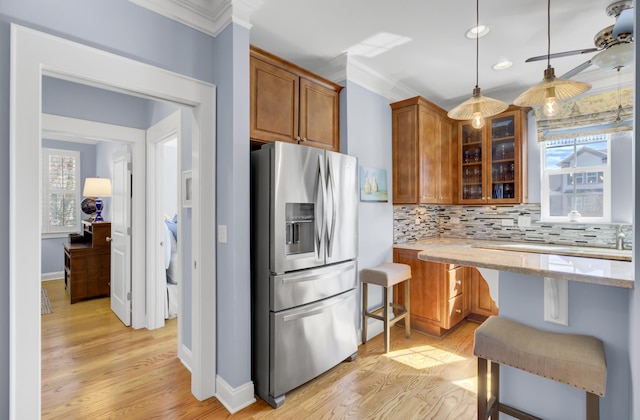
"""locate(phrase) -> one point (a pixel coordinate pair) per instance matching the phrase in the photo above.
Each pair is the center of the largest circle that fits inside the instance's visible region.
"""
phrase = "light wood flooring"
(95, 368)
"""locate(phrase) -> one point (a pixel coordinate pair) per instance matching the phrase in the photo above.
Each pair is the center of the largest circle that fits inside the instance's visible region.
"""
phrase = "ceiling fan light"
(614, 57)
(478, 105)
(563, 89)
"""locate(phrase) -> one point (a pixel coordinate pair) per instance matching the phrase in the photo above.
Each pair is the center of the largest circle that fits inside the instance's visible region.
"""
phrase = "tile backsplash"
(515, 223)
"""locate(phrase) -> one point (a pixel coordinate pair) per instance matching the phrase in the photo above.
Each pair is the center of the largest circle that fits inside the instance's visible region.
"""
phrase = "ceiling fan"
(614, 43)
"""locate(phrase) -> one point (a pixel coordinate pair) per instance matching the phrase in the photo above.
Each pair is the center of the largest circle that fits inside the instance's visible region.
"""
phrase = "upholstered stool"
(386, 275)
(576, 360)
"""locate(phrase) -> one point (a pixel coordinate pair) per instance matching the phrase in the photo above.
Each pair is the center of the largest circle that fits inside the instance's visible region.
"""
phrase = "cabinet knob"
(458, 311)
(303, 139)
(458, 282)
(297, 138)
(108, 239)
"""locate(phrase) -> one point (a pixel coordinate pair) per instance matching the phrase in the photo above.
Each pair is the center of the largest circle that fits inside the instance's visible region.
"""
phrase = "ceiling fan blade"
(624, 24)
(561, 54)
(576, 70)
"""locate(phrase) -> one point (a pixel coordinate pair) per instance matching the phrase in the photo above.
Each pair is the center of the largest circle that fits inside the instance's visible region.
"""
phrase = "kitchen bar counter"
(468, 252)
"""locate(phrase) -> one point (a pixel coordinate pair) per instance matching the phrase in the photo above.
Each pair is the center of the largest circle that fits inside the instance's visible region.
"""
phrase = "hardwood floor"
(94, 367)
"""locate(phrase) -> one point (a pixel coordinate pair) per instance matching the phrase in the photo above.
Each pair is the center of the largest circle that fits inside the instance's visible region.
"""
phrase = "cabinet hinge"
(128, 295)
(130, 166)
(129, 231)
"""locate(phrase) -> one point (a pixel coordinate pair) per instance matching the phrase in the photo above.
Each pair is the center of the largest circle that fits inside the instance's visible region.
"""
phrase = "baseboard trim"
(184, 354)
(57, 275)
(234, 399)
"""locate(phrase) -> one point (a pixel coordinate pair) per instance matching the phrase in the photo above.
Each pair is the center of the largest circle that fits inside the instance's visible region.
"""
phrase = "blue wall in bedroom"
(117, 26)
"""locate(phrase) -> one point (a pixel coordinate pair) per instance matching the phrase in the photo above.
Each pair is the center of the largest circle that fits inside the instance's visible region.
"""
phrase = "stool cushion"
(576, 360)
(386, 274)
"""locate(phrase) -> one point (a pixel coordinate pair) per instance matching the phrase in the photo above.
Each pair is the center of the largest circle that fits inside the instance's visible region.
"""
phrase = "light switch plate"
(222, 234)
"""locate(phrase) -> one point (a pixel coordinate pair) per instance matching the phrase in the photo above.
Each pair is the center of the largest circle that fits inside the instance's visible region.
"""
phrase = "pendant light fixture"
(478, 107)
(551, 90)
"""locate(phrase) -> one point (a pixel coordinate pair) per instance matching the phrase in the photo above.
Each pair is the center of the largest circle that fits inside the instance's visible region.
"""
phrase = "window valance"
(588, 115)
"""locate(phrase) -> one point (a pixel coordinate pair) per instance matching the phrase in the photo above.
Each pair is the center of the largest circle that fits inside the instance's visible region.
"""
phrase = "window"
(576, 176)
(61, 191)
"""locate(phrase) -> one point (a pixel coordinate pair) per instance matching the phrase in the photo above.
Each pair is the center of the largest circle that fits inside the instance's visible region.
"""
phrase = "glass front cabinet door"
(492, 168)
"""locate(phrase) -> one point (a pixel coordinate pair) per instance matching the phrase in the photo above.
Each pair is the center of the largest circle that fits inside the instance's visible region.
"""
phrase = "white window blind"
(61, 191)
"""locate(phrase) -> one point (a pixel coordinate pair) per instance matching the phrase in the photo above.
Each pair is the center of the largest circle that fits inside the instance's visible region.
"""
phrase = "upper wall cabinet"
(492, 160)
(291, 104)
(423, 145)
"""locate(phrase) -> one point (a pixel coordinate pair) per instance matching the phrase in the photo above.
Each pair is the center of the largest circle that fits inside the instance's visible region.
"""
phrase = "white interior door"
(121, 236)
(168, 129)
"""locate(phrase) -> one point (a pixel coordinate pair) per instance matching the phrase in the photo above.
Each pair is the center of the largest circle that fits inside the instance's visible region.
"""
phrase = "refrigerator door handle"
(320, 308)
(331, 230)
(307, 277)
(320, 221)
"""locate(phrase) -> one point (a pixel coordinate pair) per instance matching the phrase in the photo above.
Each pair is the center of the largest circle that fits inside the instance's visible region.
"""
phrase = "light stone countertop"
(467, 252)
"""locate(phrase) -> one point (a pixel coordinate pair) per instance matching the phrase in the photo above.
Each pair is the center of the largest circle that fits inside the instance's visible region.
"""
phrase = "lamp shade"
(97, 187)
(551, 86)
(486, 106)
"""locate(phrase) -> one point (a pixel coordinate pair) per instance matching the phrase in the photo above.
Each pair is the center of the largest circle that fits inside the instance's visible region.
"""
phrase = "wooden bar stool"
(576, 360)
(386, 275)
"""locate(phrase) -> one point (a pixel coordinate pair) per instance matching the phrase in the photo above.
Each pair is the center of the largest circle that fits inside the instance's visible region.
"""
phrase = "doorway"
(36, 54)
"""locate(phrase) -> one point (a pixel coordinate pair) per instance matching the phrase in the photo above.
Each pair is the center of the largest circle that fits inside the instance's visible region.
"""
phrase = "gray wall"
(232, 205)
(634, 310)
(366, 134)
(52, 258)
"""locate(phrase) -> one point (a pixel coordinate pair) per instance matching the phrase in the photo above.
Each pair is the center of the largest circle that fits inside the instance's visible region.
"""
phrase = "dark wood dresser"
(87, 263)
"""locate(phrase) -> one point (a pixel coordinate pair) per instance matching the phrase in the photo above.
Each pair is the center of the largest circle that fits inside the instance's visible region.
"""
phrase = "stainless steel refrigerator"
(304, 245)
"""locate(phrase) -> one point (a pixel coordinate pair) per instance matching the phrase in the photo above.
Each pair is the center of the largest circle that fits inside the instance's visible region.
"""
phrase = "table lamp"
(96, 188)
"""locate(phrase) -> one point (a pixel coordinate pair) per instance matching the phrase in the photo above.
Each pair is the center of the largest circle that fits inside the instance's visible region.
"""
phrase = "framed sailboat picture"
(373, 185)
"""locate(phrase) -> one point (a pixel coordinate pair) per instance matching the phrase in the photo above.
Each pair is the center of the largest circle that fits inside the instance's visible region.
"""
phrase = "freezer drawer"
(310, 340)
(307, 286)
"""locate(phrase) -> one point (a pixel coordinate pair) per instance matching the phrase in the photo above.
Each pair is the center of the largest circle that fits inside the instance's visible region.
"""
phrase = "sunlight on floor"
(470, 384)
(424, 357)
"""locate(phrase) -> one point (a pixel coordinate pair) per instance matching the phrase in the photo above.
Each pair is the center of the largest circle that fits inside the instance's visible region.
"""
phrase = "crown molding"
(345, 67)
(208, 16)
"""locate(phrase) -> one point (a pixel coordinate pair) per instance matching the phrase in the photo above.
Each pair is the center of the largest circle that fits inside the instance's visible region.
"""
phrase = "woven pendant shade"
(477, 103)
(478, 107)
(561, 89)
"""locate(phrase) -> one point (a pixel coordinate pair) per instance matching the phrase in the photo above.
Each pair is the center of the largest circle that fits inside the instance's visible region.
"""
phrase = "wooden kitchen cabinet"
(439, 296)
(422, 147)
(482, 305)
(442, 295)
(492, 161)
(289, 103)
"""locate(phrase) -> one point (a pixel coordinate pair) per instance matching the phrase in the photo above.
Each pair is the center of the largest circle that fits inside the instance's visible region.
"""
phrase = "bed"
(172, 275)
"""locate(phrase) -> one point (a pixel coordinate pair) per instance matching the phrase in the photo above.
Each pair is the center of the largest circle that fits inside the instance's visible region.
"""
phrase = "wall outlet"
(222, 234)
(507, 222)
(524, 221)
(417, 220)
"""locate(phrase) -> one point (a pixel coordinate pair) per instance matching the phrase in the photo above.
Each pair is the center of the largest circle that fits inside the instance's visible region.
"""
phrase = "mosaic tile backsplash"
(500, 223)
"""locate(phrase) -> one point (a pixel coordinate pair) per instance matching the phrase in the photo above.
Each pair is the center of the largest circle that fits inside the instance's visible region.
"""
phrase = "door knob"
(108, 239)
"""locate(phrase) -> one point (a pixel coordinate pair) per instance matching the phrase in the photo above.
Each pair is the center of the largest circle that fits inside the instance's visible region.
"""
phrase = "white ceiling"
(439, 62)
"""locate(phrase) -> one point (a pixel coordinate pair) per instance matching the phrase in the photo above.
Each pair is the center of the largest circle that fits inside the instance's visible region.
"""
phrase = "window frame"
(47, 229)
(545, 175)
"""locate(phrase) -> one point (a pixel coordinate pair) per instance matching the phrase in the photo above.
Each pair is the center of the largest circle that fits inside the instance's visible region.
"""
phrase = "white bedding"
(171, 274)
